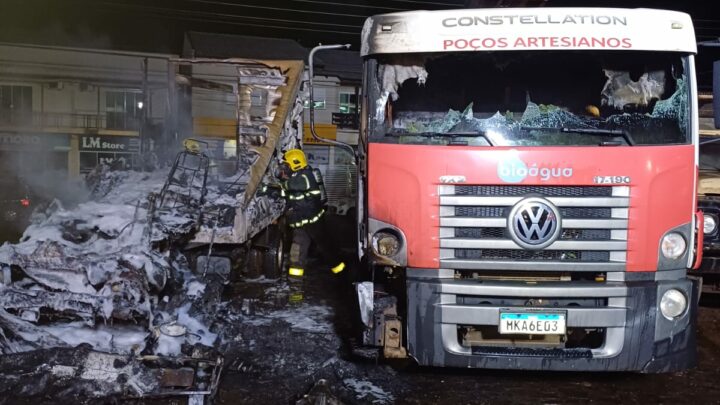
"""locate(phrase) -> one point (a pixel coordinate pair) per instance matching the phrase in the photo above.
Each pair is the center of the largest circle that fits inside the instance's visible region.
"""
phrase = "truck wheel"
(273, 256)
(254, 268)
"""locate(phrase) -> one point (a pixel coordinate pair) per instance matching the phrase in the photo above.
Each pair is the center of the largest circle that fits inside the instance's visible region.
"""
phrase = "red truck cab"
(528, 183)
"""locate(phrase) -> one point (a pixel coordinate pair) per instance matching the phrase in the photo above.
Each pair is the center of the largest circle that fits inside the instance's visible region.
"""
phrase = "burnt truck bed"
(103, 300)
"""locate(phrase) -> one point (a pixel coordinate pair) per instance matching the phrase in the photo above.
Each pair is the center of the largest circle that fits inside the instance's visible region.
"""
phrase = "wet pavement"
(293, 335)
(699, 386)
(294, 342)
(298, 334)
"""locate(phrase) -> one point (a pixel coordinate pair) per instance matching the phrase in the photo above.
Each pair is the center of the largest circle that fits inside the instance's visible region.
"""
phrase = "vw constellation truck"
(527, 188)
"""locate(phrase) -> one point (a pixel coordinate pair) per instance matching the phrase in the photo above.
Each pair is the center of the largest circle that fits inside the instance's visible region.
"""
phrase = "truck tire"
(273, 259)
(274, 253)
(254, 266)
(267, 254)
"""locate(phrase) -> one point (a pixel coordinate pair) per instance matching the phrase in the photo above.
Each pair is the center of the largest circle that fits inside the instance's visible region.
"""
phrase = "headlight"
(673, 304)
(673, 245)
(386, 244)
(709, 224)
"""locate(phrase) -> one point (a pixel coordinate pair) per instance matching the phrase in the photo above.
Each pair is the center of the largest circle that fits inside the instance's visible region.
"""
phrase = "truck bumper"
(636, 336)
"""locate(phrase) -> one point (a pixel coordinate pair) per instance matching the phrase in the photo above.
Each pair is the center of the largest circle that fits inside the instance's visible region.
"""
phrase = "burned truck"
(240, 223)
(528, 188)
(120, 295)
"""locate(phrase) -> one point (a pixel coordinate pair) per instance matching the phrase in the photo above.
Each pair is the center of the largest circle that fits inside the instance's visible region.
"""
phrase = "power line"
(224, 3)
(350, 5)
(430, 3)
(163, 13)
(354, 34)
(224, 15)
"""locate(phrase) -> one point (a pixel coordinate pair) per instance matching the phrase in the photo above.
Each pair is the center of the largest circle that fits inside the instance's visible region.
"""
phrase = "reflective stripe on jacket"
(303, 195)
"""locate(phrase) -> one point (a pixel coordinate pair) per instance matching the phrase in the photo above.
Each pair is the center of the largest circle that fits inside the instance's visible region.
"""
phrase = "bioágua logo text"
(513, 170)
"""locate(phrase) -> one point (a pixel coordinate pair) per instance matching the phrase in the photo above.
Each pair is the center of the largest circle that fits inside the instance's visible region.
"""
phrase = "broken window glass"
(532, 99)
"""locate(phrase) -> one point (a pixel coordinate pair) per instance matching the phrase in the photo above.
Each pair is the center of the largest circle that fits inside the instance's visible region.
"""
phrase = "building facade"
(64, 110)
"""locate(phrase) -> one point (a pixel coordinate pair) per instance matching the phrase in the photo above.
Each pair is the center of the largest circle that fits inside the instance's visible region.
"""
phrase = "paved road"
(289, 355)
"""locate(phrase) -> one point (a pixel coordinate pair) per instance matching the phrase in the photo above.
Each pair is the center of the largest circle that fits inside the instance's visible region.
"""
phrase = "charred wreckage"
(119, 296)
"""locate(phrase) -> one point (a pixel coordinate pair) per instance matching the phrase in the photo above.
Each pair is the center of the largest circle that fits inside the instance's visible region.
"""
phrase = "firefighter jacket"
(304, 193)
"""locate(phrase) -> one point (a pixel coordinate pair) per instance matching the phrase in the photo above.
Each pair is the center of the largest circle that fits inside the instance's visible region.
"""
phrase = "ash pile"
(104, 299)
(99, 300)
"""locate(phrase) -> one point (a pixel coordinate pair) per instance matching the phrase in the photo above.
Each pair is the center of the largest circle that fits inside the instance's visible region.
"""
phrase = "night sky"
(158, 25)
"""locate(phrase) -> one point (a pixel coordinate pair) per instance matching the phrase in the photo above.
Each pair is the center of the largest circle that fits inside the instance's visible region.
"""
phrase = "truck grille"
(474, 233)
(534, 255)
(567, 234)
(567, 212)
(547, 191)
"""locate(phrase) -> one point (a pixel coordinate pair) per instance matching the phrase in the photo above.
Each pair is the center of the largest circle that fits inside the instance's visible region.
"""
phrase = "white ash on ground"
(92, 275)
(98, 300)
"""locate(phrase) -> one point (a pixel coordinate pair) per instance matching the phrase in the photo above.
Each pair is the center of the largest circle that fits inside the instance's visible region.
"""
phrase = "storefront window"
(88, 161)
(116, 151)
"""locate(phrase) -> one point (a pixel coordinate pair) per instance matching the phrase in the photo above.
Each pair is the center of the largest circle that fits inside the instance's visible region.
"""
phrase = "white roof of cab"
(528, 29)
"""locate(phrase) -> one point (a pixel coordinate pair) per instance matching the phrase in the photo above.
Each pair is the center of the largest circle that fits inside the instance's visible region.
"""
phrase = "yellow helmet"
(295, 158)
(192, 146)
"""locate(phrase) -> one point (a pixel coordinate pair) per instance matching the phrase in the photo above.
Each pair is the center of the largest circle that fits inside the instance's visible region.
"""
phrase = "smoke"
(44, 173)
(56, 184)
(81, 37)
(55, 34)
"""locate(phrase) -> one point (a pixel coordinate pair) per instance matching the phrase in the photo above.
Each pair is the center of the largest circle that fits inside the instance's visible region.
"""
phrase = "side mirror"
(716, 93)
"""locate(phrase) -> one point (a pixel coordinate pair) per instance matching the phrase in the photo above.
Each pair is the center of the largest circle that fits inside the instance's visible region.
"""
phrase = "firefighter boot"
(337, 269)
(295, 271)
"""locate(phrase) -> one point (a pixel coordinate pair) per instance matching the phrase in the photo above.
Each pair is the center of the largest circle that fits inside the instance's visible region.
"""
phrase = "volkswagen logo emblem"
(534, 223)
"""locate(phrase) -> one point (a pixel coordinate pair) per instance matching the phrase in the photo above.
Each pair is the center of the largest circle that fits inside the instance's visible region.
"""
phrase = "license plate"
(532, 323)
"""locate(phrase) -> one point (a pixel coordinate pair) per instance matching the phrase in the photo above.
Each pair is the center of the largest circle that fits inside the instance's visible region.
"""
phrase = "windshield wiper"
(588, 131)
(453, 135)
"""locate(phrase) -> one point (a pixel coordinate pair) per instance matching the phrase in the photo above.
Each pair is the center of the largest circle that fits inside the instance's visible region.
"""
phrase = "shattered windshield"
(530, 98)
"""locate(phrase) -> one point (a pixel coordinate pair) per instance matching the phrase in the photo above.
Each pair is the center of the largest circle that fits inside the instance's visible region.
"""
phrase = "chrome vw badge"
(534, 223)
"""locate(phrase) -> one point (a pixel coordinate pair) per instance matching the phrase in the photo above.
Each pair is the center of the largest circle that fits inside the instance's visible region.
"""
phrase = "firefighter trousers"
(319, 235)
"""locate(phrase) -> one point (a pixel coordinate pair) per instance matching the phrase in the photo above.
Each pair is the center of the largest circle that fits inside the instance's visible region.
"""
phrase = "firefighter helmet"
(295, 158)
(192, 146)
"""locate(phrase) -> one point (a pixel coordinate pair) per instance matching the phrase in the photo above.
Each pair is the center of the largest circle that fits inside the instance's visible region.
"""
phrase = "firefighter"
(304, 193)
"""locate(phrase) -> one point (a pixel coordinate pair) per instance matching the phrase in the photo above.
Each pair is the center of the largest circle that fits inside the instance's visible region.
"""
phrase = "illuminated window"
(348, 103)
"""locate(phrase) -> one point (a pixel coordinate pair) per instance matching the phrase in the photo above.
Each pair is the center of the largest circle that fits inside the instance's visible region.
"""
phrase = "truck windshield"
(530, 98)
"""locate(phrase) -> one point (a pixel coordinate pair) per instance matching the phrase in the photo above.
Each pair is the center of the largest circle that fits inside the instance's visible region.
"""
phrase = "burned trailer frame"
(249, 230)
(112, 294)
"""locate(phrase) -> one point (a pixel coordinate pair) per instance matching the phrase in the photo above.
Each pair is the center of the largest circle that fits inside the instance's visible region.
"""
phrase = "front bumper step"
(531, 352)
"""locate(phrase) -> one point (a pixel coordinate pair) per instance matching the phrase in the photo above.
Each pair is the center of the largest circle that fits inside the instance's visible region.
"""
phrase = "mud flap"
(382, 325)
(392, 338)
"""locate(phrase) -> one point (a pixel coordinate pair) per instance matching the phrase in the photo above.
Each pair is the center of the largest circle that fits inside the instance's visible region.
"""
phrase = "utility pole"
(144, 107)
